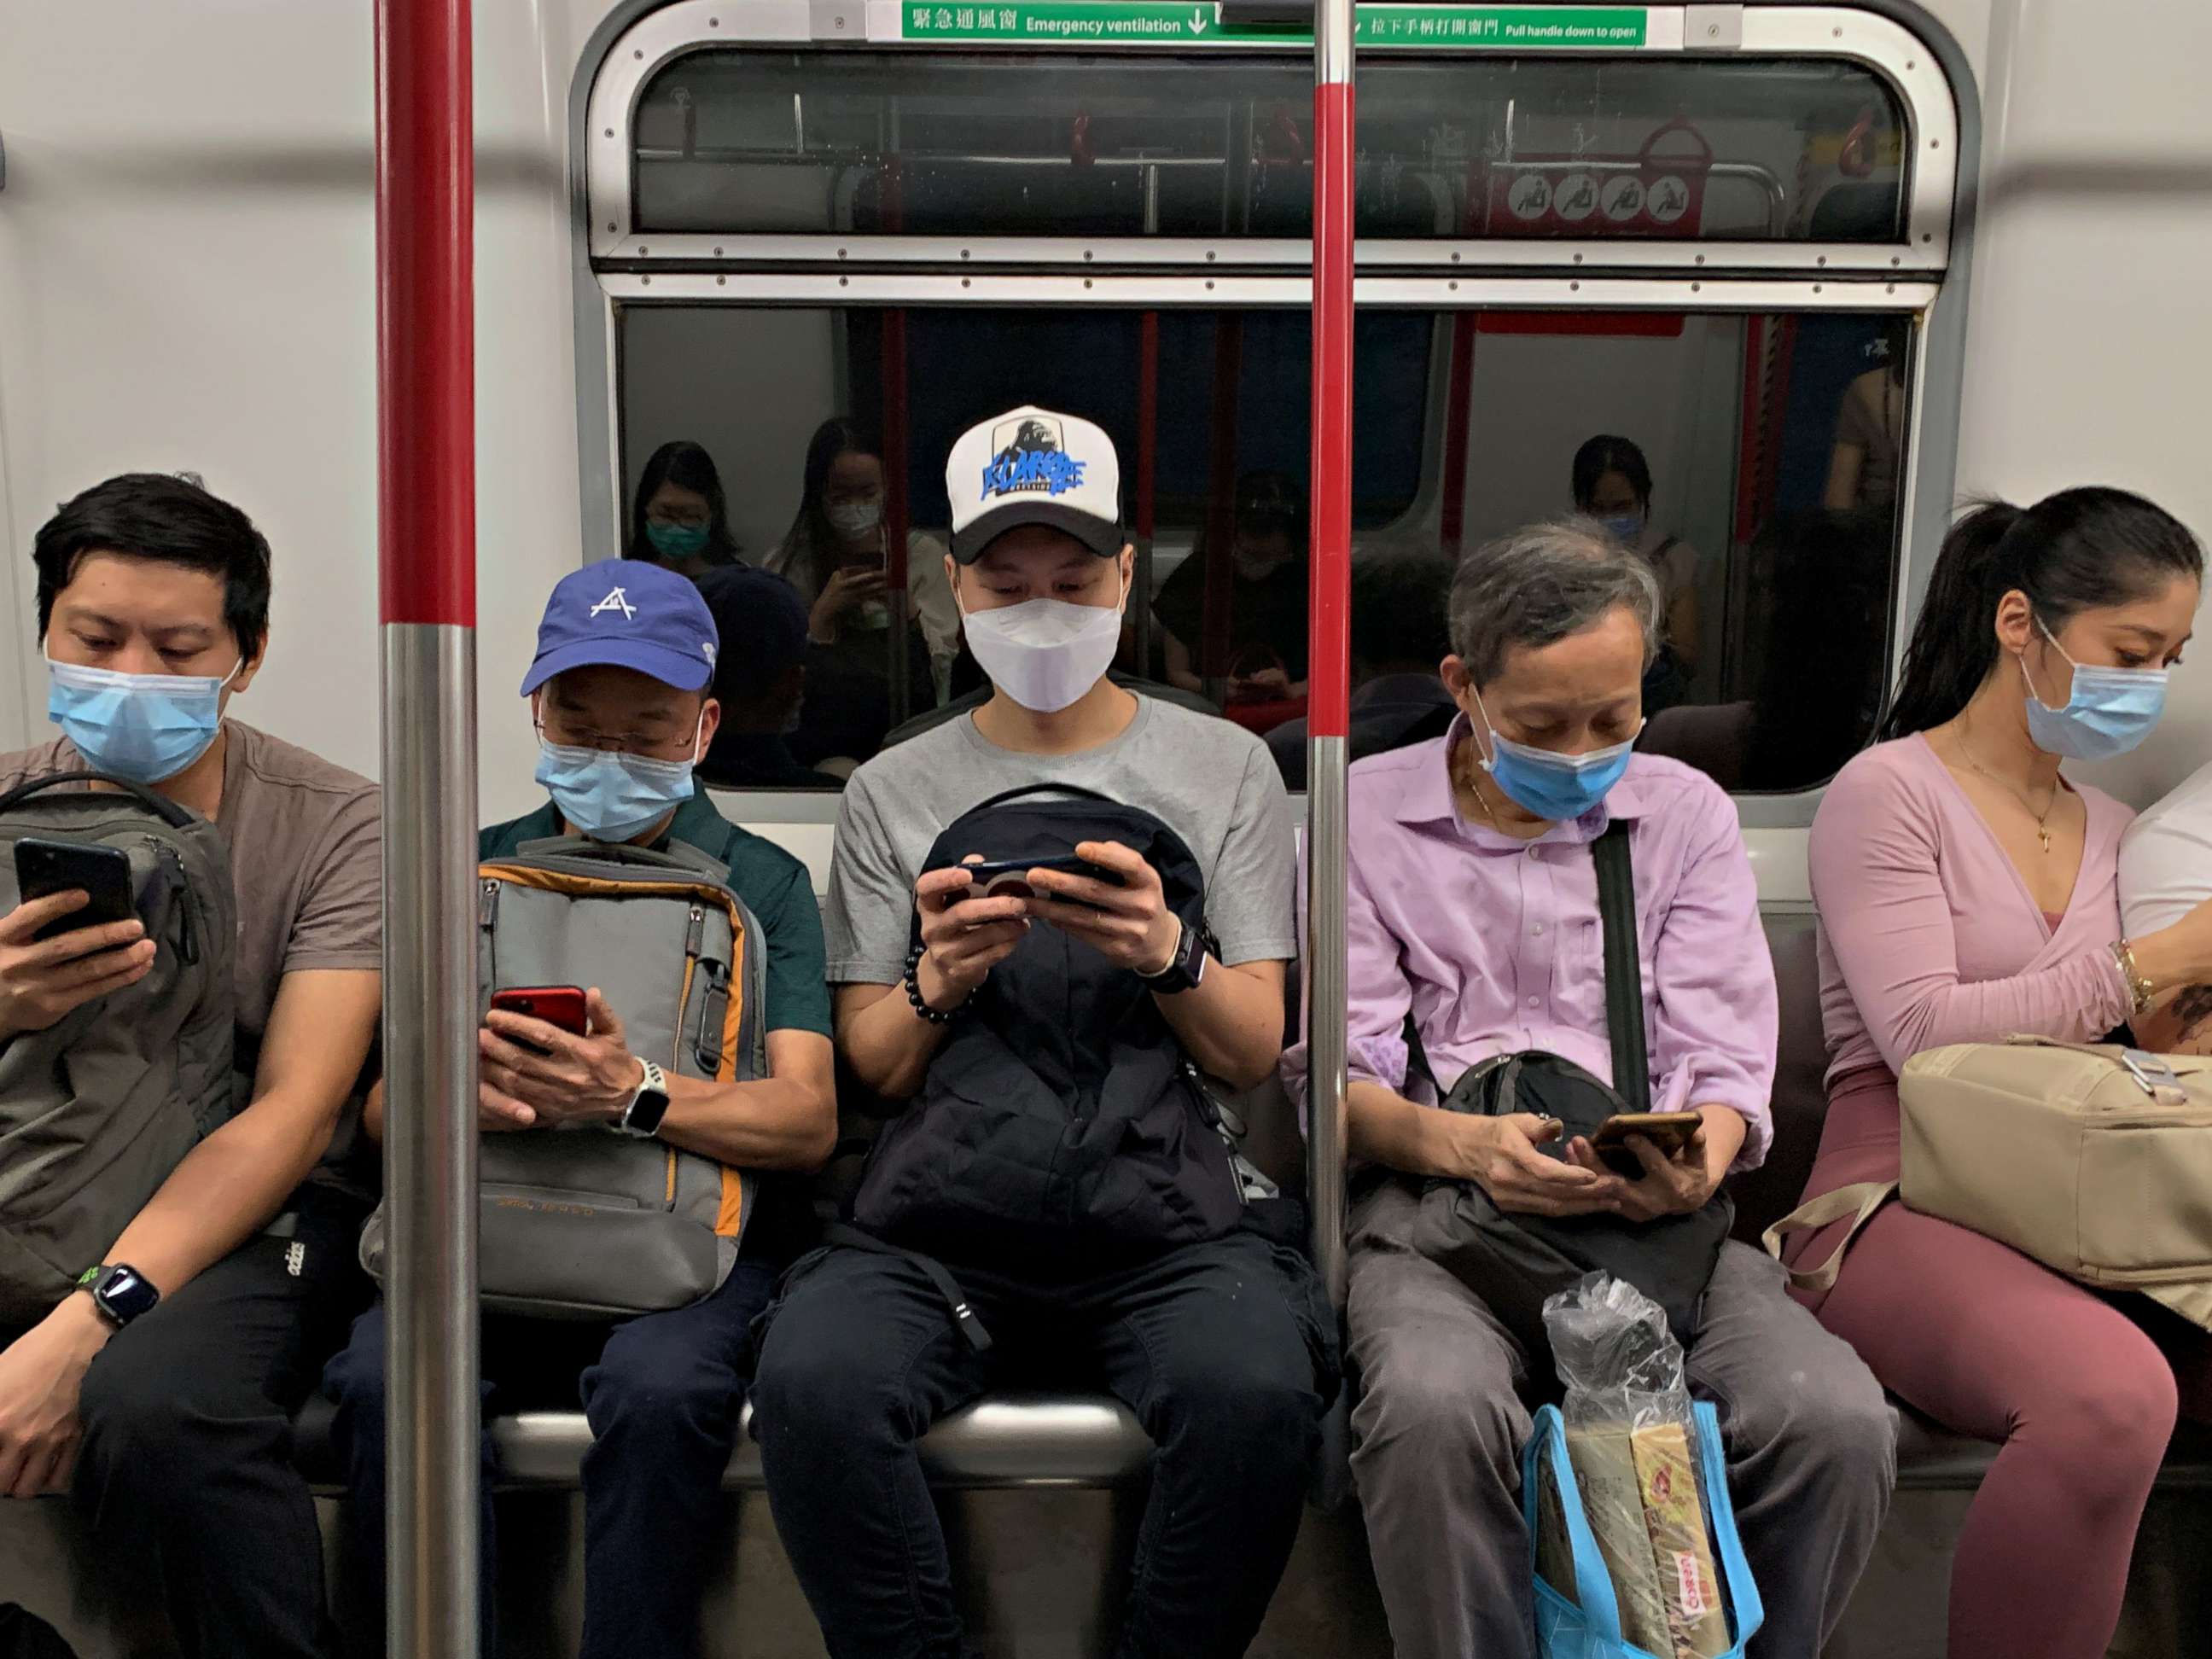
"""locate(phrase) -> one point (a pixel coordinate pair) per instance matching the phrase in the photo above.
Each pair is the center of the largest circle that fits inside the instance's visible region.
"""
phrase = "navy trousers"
(662, 1393)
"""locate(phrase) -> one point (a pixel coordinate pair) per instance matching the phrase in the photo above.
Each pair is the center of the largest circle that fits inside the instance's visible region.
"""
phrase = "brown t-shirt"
(306, 859)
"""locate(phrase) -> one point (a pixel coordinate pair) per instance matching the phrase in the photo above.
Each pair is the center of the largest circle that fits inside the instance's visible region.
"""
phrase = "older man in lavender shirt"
(1474, 909)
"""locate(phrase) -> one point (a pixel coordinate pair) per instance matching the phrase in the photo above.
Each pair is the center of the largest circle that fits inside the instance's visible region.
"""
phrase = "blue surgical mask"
(2108, 711)
(145, 728)
(611, 796)
(1552, 785)
(677, 541)
(1625, 527)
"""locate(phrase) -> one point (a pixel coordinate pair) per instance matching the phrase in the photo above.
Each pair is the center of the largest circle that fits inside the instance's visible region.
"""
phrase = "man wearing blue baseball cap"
(621, 691)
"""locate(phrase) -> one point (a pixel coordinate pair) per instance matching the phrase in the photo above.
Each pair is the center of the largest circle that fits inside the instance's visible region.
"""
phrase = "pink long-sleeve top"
(1495, 944)
(1928, 935)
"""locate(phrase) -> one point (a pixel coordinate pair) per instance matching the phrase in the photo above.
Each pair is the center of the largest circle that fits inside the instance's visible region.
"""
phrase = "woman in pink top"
(1967, 891)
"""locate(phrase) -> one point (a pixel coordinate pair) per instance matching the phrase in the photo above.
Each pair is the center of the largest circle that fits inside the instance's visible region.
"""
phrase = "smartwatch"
(1185, 967)
(642, 1117)
(120, 1293)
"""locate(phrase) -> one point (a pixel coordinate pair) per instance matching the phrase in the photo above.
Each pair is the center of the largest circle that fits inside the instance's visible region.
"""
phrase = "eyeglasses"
(662, 744)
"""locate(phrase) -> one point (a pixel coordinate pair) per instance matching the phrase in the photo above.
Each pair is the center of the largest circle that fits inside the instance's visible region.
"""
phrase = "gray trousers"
(1441, 1419)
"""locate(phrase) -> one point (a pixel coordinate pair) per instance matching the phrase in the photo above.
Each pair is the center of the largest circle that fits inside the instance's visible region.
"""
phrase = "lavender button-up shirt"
(1495, 944)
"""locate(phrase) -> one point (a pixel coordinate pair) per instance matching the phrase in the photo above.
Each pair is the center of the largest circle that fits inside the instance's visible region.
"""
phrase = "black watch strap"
(1186, 968)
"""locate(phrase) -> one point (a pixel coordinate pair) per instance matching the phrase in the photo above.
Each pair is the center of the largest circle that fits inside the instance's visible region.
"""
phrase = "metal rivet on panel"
(1209, 282)
(1816, 288)
(1210, 256)
(1701, 259)
(642, 249)
(1911, 65)
(1895, 260)
(714, 23)
(1086, 256)
(637, 54)
(1697, 288)
(645, 282)
(1087, 282)
(721, 282)
(964, 252)
(1578, 258)
(612, 226)
(1453, 285)
(844, 281)
(1927, 235)
(1934, 143)
(718, 254)
(840, 252)
(1823, 259)
(1575, 287)
(611, 132)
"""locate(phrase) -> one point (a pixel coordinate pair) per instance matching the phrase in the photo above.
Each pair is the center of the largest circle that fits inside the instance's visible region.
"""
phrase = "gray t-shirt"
(1209, 781)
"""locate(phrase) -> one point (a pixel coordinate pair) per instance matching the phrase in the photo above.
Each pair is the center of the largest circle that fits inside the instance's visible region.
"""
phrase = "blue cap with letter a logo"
(1031, 466)
(626, 613)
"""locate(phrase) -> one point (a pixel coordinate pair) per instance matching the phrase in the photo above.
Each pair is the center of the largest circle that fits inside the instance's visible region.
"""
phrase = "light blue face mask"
(611, 796)
(2108, 711)
(145, 728)
(1626, 527)
(1552, 785)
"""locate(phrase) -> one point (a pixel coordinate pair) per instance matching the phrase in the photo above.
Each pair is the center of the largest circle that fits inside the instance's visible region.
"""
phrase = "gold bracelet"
(2140, 994)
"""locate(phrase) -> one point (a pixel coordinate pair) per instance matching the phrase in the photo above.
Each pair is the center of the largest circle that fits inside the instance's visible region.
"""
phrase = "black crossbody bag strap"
(1624, 966)
(964, 1317)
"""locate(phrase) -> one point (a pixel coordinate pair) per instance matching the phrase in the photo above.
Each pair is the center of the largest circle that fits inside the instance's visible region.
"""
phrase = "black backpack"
(1517, 1262)
(1060, 1124)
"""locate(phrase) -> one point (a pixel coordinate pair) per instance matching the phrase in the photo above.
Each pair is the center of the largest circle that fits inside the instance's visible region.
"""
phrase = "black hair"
(811, 529)
(1273, 503)
(172, 520)
(1608, 453)
(688, 466)
(2077, 550)
(1400, 609)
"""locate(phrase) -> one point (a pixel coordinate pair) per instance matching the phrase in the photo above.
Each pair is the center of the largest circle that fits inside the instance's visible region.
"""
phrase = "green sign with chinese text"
(1152, 22)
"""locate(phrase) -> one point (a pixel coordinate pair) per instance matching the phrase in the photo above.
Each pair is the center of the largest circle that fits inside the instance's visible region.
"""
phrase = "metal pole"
(1329, 677)
(426, 529)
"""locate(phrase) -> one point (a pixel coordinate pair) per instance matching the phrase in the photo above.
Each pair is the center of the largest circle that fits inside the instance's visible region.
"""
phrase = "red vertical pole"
(1329, 652)
(426, 548)
(896, 508)
(1459, 414)
(426, 321)
(1146, 508)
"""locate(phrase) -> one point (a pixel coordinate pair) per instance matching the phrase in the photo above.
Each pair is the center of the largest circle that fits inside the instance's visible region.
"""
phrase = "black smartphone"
(1668, 1132)
(999, 877)
(43, 868)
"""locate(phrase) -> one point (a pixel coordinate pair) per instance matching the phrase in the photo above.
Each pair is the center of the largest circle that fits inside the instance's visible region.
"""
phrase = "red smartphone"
(562, 1005)
(1669, 1132)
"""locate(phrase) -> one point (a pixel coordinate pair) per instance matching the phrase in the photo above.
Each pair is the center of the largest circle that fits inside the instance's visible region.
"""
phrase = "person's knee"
(139, 1415)
(1840, 1430)
(1421, 1408)
(658, 1389)
(2109, 1422)
(821, 1382)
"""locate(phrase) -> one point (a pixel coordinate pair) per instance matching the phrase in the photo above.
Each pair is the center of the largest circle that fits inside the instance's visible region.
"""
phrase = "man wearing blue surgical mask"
(167, 1418)
(1473, 914)
(621, 693)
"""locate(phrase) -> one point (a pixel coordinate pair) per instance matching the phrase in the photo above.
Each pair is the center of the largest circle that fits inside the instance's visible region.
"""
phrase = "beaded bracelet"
(912, 983)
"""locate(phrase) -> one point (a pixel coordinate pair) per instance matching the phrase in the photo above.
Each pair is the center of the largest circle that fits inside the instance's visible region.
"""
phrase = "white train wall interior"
(726, 221)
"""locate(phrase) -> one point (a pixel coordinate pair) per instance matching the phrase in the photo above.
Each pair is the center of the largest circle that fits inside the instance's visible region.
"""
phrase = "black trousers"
(185, 1474)
(1223, 1350)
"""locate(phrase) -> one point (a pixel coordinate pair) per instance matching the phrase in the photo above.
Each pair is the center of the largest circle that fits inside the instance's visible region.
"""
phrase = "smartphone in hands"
(559, 1006)
(1669, 1132)
(43, 868)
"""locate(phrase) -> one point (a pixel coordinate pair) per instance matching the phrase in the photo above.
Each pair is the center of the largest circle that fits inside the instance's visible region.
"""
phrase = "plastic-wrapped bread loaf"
(1604, 1459)
(1681, 1547)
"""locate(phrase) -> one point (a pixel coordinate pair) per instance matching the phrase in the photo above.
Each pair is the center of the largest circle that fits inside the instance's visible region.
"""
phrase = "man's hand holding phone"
(966, 934)
(1124, 916)
(43, 980)
(1678, 1181)
(1502, 1156)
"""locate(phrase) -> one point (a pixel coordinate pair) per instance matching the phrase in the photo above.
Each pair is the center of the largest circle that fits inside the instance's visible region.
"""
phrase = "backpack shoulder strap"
(1624, 966)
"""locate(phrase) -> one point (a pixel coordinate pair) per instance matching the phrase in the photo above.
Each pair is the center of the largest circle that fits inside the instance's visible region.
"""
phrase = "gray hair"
(1541, 584)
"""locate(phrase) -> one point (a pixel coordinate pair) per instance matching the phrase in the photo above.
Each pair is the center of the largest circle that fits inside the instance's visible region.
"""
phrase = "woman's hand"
(851, 586)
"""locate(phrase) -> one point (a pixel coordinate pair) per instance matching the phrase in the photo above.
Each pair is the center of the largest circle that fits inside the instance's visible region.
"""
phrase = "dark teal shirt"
(774, 884)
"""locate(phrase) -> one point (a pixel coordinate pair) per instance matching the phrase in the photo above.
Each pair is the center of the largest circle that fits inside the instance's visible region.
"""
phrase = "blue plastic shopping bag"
(1585, 1624)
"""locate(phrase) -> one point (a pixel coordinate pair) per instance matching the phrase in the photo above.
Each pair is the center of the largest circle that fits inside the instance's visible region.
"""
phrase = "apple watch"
(642, 1117)
(120, 1293)
(1185, 967)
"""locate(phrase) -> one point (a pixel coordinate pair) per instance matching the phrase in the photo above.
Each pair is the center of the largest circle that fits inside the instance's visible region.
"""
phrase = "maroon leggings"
(2081, 1390)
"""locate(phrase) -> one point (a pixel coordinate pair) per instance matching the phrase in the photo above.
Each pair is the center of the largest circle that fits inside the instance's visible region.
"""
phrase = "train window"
(763, 143)
(1755, 460)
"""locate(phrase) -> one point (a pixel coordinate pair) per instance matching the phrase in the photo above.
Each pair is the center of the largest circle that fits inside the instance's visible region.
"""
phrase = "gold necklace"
(2042, 819)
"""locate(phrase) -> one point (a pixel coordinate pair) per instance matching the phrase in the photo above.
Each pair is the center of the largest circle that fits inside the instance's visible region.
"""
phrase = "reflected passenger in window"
(1397, 637)
(1613, 483)
(760, 680)
(836, 555)
(1264, 654)
(680, 518)
(1870, 429)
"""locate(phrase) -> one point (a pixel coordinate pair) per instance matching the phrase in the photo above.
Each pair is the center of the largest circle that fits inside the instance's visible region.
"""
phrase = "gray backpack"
(97, 1109)
(582, 1223)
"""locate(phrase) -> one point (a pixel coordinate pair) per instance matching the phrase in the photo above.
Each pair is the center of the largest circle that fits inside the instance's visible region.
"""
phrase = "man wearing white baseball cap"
(1056, 1182)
